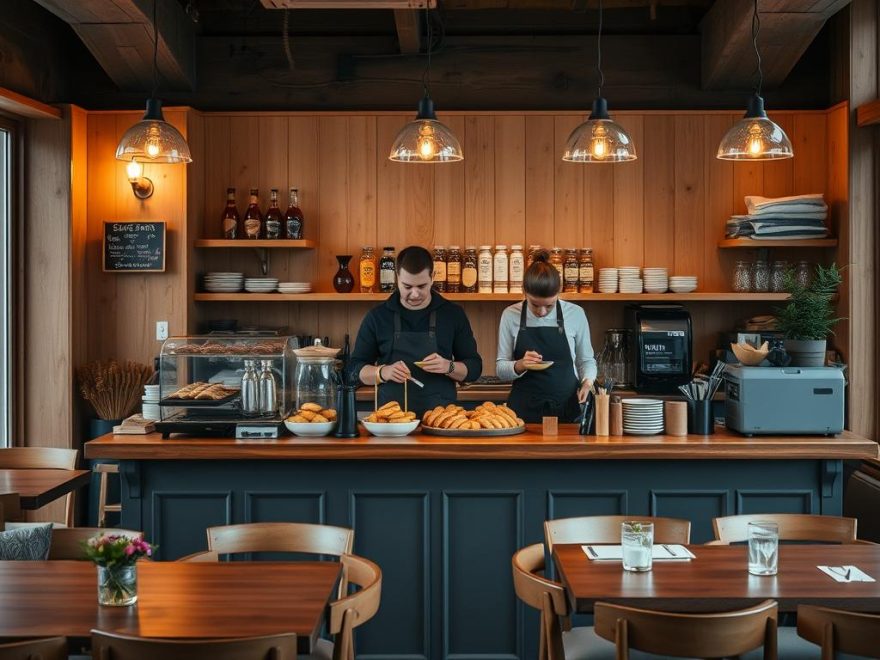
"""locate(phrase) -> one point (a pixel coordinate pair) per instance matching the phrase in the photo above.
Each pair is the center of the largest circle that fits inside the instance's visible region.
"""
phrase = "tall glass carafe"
(268, 389)
(250, 393)
(613, 362)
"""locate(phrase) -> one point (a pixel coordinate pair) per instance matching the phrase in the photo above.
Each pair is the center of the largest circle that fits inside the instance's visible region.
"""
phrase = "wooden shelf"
(697, 296)
(757, 243)
(868, 113)
(262, 243)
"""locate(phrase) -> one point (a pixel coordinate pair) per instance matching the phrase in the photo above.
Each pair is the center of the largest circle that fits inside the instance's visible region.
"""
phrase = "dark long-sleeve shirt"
(455, 339)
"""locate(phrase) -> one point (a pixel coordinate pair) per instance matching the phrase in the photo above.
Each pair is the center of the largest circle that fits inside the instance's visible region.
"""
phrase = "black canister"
(701, 421)
(346, 412)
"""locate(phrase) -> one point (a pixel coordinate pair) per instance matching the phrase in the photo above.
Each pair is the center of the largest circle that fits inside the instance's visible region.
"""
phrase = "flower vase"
(117, 585)
(343, 281)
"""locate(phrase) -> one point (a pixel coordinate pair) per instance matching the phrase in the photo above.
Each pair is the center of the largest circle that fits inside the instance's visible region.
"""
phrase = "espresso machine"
(661, 347)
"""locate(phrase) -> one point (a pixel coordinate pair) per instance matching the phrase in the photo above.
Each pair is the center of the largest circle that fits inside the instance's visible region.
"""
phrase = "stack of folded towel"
(796, 217)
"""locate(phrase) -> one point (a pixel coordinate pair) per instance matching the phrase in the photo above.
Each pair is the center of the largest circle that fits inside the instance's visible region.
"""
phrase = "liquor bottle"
(230, 221)
(274, 219)
(253, 219)
(387, 270)
(294, 221)
(368, 270)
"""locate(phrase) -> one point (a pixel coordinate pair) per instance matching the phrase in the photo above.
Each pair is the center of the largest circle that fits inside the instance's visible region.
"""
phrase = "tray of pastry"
(486, 420)
(201, 394)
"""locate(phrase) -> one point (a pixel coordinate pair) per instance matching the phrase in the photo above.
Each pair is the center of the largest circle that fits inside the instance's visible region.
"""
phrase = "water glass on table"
(763, 547)
(637, 540)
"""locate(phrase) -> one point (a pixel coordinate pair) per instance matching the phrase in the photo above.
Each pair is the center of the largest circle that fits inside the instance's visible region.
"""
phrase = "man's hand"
(397, 372)
(436, 364)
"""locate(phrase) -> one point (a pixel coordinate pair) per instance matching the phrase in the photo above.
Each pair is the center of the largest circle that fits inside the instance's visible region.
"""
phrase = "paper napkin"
(846, 573)
(661, 552)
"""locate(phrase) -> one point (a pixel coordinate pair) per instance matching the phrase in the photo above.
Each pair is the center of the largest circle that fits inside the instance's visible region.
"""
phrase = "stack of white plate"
(294, 287)
(223, 282)
(629, 280)
(683, 283)
(656, 280)
(151, 402)
(261, 284)
(642, 416)
(607, 280)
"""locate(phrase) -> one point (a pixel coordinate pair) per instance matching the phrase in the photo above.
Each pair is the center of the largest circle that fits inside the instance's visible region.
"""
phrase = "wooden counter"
(529, 445)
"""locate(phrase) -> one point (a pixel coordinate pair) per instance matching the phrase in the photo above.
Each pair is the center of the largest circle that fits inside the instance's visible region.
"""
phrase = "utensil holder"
(615, 421)
(676, 417)
(602, 413)
(700, 418)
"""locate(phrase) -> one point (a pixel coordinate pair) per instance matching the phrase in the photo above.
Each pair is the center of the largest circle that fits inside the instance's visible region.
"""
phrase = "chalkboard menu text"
(134, 247)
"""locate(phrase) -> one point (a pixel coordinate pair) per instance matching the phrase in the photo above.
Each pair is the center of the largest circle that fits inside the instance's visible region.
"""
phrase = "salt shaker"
(250, 395)
(268, 390)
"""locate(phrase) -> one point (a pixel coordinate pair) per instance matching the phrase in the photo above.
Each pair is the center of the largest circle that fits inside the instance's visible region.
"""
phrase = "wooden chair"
(67, 541)
(47, 458)
(110, 646)
(105, 470)
(546, 596)
(716, 635)
(792, 527)
(10, 508)
(606, 529)
(838, 631)
(48, 648)
(351, 611)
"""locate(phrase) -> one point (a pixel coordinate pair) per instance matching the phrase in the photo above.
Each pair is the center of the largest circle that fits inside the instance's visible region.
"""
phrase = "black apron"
(553, 391)
(411, 347)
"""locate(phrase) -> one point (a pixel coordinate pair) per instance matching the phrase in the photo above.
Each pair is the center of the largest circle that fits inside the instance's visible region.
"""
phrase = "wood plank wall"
(666, 209)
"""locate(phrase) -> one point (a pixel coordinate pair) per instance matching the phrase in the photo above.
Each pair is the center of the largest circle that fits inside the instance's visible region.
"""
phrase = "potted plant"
(809, 317)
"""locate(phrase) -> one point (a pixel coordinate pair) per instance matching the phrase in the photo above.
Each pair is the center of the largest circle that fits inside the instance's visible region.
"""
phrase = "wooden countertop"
(529, 445)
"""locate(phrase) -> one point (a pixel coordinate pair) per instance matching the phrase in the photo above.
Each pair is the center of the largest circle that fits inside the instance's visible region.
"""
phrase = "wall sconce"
(141, 186)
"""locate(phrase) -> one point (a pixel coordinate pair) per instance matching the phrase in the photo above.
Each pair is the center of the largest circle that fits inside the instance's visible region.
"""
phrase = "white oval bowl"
(307, 430)
(391, 430)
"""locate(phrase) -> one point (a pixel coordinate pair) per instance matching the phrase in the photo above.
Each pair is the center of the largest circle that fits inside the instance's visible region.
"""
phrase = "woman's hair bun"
(541, 255)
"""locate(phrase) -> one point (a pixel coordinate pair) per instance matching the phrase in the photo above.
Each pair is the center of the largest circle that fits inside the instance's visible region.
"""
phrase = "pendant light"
(755, 136)
(152, 139)
(426, 140)
(599, 139)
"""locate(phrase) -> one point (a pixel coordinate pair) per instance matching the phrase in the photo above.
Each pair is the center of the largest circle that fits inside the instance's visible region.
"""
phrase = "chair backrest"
(49, 648)
(47, 458)
(281, 537)
(839, 631)
(355, 609)
(10, 508)
(606, 529)
(203, 556)
(544, 595)
(67, 541)
(715, 635)
(792, 527)
(109, 646)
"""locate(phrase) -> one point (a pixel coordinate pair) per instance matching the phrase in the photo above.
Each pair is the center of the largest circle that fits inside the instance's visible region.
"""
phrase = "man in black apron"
(416, 333)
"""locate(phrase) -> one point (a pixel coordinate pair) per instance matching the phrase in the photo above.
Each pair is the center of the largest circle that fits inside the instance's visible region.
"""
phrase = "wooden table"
(37, 488)
(175, 600)
(718, 579)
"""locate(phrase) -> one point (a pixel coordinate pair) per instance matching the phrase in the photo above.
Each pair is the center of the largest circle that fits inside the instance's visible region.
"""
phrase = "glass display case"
(212, 384)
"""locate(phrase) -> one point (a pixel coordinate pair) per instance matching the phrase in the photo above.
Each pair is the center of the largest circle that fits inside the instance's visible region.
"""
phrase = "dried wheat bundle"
(114, 389)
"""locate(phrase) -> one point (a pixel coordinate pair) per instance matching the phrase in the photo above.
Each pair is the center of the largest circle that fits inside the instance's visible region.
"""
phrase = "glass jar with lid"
(316, 376)
(557, 261)
(585, 270)
(500, 270)
(570, 271)
(804, 274)
(453, 269)
(742, 277)
(469, 270)
(485, 268)
(439, 268)
(760, 276)
(517, 268)
(777, 276)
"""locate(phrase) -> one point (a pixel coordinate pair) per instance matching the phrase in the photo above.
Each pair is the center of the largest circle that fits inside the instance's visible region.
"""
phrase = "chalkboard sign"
(134, 247)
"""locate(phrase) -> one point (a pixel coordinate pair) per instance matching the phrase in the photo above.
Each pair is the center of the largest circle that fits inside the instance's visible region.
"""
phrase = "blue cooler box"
(781, 400)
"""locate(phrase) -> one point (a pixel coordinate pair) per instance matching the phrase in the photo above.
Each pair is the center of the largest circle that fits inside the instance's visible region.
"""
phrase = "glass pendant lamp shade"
(153, 140)
(755, 137)
(426, 140)
(599, 139)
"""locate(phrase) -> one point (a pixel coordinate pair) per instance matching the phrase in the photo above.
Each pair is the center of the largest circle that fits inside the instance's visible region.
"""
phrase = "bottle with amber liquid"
(387, 270)
(294, 221)
(230, 221)
(469, 270)
(253, 219)
(570, 271)
(274, 219)
(368, 270)
(453, 269)
(439, 269)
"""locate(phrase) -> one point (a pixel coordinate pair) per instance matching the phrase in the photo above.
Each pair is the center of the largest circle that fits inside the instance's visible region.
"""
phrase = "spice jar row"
(759, 277)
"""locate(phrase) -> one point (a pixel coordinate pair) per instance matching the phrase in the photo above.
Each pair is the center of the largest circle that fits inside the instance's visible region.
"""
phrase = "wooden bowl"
(748, 355)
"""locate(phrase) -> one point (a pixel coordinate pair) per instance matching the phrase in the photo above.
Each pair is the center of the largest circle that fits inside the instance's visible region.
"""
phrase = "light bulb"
(135, 170)
(426, 144)
(152, 149)
(756, 141)
(599, 142)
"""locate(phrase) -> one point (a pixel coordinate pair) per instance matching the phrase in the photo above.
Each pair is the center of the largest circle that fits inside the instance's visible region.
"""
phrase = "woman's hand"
(436, 364)
(530, 357)
(397, 372)
(583, 390)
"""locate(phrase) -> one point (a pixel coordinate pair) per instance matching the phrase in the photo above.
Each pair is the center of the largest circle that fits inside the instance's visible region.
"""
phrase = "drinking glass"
(637, 539)
(763, 547)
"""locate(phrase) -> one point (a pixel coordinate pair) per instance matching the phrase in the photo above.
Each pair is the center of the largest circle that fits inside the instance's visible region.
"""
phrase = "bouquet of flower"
(116, 550)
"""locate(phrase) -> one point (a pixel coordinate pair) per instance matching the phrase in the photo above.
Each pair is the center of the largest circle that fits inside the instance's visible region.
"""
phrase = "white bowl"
(310, 430)
(391, 430)
(682, 289)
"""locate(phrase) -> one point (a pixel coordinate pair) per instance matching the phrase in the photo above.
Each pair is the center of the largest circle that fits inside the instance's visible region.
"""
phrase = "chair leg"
(770, 643)
(102, 500)
(621, 640)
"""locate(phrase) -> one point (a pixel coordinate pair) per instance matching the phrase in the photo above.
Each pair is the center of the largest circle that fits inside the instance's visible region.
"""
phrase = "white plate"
(307, 430)
(391, 430)
(642, 402)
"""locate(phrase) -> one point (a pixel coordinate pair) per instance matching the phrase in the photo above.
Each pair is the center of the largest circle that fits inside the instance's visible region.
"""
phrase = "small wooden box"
(550, 426)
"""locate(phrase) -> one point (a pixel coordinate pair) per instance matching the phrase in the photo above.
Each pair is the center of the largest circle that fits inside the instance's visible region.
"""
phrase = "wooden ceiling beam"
(409, 30)
(788, 27)
(119, 34)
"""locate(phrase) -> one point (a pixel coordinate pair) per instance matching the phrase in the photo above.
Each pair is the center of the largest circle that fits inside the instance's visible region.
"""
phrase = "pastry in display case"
(226, 385)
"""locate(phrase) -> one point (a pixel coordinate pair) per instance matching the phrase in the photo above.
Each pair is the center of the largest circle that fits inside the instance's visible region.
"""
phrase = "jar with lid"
(439, 268)
(316, 381)
(368, 270)
(760, 276)
(469, 270)
(387, 270)
(453, 269)
(500, 269)
(777, 276)
(557, 262)
(484, 269)
(570, 271)
(804, 274)
(585, 270)
(742, 277)
(530, 256)
(517, 268)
